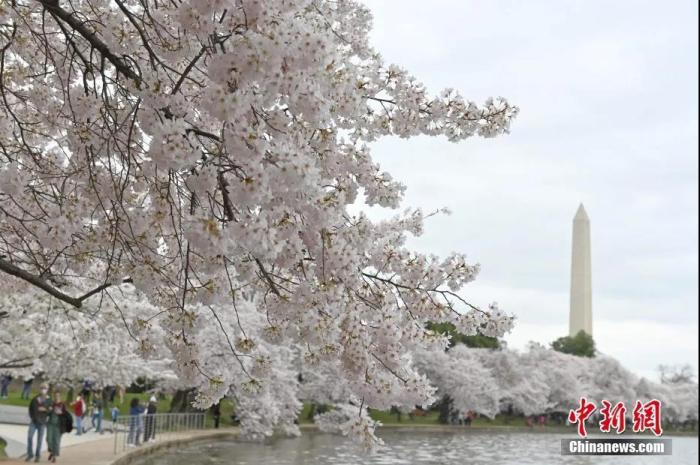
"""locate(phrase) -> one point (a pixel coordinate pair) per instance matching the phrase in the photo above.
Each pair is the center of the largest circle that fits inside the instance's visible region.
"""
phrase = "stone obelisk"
(580, 312)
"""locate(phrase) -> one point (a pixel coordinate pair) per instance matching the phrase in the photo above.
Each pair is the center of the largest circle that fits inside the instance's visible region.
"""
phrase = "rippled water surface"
(473, 448)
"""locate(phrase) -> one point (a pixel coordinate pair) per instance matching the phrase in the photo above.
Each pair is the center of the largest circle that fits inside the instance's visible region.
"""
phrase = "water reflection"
(403, 447)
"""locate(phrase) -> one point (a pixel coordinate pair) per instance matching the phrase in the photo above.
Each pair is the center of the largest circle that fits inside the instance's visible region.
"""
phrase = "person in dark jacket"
(150, 421)
(39, 408)
(5, 382)
(97, 412)
(55, 427)
(87, 389)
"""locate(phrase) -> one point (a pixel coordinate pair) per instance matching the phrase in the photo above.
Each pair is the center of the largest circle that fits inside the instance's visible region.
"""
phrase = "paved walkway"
(14, 415)
(16, 438)
(10, 418)
(14, 423)
(100, 451)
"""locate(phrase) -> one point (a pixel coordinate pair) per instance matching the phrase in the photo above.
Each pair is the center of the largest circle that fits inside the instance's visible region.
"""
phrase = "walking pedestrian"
(56, 426)
(79, 410)
(97, 413)
(115, 415)
(27, 388)
(39, 408)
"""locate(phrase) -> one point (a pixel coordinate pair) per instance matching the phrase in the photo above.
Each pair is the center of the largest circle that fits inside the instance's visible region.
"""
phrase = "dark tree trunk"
(445, 409)
(182, 401)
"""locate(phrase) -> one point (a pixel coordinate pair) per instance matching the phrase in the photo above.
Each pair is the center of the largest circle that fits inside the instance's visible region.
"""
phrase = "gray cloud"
(608, 97)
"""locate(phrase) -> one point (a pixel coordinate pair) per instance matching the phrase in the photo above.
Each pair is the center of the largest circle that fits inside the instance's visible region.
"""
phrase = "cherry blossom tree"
(205, 152)
(43, 335)
(543, 381)
(684, 397)
(523, 387)
(610, 380)
(565, 376)
(19, 343)
(461, 375)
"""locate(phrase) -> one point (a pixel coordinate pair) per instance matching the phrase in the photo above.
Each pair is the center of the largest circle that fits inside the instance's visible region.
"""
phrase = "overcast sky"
(608, 92)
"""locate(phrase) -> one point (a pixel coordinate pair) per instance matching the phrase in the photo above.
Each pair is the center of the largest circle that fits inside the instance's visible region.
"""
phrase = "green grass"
(13, 398)
(2, 448)
(388, 418)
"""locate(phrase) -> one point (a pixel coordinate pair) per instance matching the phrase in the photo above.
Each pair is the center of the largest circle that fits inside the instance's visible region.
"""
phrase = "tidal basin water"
(411, 447)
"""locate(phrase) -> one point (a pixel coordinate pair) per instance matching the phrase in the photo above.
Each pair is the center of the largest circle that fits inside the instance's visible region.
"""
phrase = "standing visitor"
(5, 385)
(27, 388)
(38, 416)
(135, 423)
(115, 416)
(150, 426)
(55, 427)
(97, 413)
(79, 410)
(120, 393)
(87, 387)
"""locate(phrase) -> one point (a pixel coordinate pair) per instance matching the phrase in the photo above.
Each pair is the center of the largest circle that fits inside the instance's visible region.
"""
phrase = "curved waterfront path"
(100, 450)
(89, 448)
(14, 422)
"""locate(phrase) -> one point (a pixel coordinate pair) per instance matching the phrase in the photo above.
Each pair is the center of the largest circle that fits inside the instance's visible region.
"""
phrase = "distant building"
(580, 311)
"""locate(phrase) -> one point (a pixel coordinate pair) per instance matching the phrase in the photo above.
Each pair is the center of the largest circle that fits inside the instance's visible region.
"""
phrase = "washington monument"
(580, 313)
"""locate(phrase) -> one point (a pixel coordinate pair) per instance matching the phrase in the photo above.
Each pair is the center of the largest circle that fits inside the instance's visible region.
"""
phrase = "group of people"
(95, 412)
(47, 414)
(462, 418)
(6, 380)
(539, 420)
(50, 418)
(140, 423)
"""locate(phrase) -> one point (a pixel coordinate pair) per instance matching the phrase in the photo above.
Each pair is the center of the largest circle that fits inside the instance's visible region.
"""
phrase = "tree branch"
(59, 13)
(42, 284)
